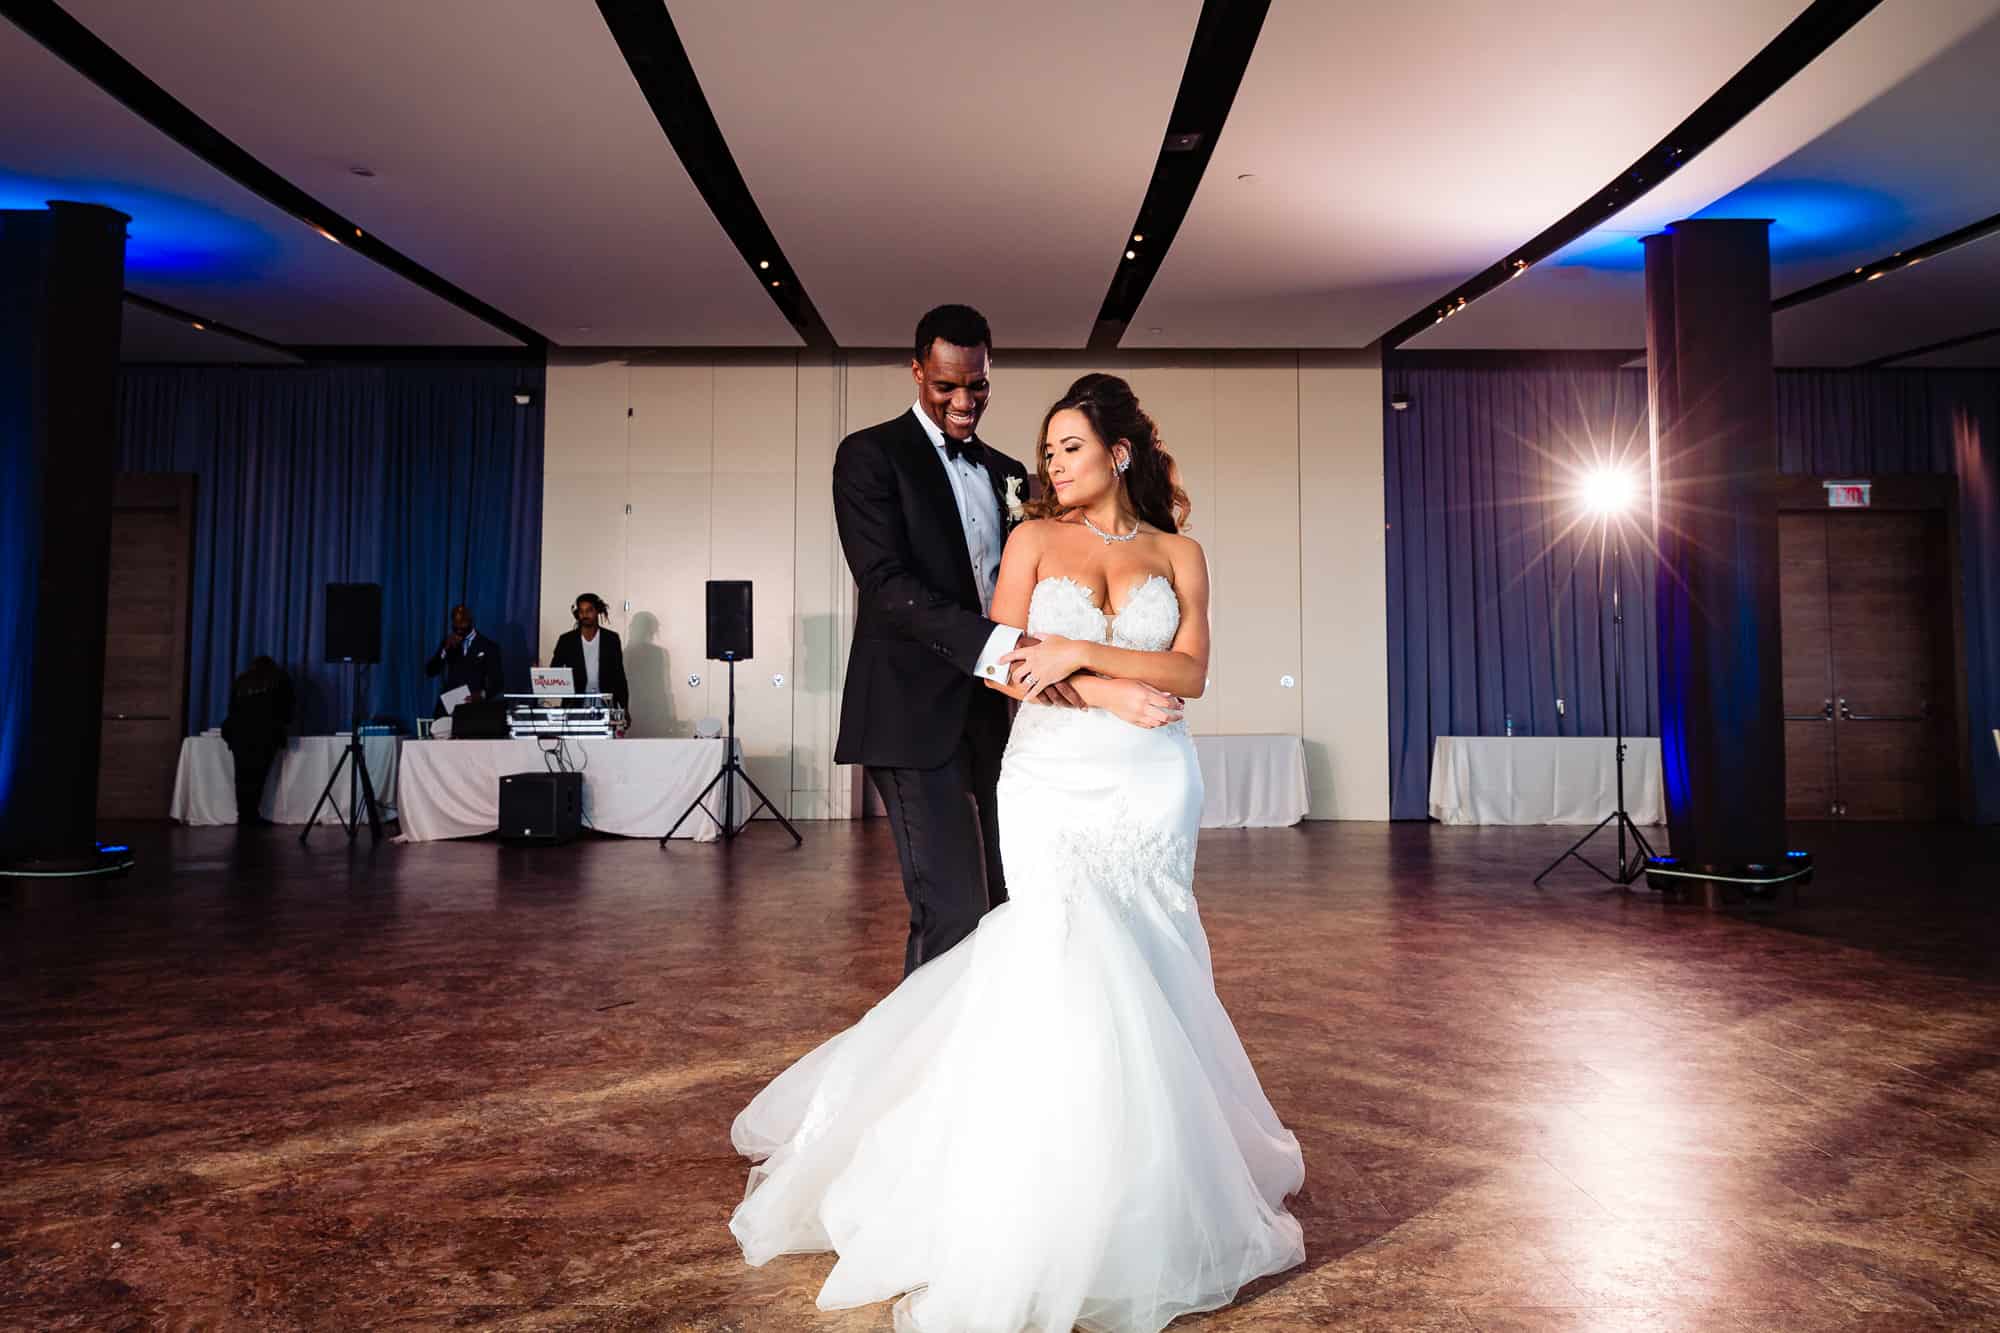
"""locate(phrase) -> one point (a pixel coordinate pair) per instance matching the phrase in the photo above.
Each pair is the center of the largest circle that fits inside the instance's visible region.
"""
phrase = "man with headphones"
(594, 652)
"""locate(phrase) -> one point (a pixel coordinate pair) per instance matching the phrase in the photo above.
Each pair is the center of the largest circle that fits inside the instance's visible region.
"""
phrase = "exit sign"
(1847, 494)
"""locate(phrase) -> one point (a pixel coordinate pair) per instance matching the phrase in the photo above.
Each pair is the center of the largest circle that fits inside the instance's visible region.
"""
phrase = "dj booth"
(635, 788)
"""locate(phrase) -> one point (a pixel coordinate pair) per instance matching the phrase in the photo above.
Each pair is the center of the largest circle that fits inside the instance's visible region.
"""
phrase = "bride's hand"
(1140, 704)
(1045, 662)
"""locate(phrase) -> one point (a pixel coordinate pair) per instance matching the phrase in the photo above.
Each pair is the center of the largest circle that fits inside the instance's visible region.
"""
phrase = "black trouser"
(947, 828)
(252, 768)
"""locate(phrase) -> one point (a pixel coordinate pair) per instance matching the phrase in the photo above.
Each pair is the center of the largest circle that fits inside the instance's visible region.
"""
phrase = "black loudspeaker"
(541, 807)
(354, 622)
(729, 620)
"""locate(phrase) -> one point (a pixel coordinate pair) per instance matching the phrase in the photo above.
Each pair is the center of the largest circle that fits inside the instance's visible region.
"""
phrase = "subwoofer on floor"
(541, 807)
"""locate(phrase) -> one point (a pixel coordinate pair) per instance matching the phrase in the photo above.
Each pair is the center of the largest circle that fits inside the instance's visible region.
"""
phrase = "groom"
(923, 508)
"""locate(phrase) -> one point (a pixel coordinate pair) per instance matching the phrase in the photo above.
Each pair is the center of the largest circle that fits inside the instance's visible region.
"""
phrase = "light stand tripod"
(357, 780)
(732, 769)
(1642, 850)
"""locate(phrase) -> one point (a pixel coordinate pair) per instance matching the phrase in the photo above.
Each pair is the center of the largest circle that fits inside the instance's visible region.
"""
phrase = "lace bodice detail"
(1148, 622)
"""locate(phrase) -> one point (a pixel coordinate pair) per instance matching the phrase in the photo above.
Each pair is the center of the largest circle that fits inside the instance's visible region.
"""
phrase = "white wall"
(725, 460)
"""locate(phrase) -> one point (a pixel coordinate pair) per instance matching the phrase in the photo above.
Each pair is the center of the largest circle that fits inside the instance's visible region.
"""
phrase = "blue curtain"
(1493, 605)
(425, 479)
(1495, 609)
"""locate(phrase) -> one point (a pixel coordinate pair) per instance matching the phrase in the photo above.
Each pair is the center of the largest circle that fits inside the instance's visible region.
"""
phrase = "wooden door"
(1808, 666)
(146, 646)
(1867, 641)
(1887, 604)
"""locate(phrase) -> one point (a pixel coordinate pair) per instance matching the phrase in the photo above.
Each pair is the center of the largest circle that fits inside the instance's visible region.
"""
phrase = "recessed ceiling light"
(198, 324)
(763, 263)
(1131, 254)
(1137, 237)
(329, 235)
(774, 282)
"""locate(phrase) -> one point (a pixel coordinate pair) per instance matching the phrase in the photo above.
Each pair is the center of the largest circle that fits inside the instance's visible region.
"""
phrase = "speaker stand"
(360, 786)
(732, 768)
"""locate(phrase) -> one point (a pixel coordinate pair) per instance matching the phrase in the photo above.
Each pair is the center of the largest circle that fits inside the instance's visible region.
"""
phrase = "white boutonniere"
(1014, 510)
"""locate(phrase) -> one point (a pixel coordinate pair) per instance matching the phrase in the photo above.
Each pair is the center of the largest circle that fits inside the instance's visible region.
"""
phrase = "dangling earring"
(1124, 463)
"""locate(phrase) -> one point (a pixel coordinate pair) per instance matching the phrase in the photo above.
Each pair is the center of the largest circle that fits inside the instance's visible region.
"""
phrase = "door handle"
(1825, 714)
(1849, 715)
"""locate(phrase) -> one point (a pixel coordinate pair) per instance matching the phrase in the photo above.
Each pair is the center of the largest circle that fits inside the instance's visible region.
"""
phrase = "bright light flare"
(1608, 491)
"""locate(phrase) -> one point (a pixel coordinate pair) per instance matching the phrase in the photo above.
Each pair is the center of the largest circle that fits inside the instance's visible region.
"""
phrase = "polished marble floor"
(467, 1085)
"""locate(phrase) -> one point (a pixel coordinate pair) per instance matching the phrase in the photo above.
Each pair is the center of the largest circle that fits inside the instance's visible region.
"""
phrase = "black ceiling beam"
(50, 25)
(1224, 37)
(1901, 259)
(645, 33)
(1818, 27)
(205, 324)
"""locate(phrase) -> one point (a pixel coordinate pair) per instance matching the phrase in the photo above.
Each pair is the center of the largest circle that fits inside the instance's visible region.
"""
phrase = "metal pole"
(1618, 679)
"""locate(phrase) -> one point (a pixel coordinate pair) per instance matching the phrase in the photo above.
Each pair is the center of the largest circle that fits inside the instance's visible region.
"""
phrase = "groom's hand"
(1062, 694)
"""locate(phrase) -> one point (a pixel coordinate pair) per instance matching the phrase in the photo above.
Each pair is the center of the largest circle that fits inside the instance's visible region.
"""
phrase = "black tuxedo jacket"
(475, 665)
(918, 630)
(610, 664)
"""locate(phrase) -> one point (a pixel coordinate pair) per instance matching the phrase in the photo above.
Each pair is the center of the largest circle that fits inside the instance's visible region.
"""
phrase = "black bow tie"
(955, 448)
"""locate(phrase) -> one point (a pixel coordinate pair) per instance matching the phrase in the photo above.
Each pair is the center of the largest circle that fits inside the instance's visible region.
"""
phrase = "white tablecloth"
(1252, 781)
(1543, 780)
(636, 788)
(205, 782)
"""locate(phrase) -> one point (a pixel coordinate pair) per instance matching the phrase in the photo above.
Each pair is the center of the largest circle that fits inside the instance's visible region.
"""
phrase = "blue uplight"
(1811, 219)
(1814, 219)
(169, 237)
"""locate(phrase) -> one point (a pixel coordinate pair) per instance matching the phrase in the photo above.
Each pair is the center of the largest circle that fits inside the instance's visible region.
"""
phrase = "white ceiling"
(152, 337)
(1983, 353)
(514, 154)
(199, 241)
(907, 154)
(1946, 297)
(1398, 149)
(1887, 140)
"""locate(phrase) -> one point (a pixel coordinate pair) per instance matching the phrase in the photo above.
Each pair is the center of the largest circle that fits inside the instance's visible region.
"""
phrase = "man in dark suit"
(260, 710)
(923, 511)
(467, 658)
(593, 652)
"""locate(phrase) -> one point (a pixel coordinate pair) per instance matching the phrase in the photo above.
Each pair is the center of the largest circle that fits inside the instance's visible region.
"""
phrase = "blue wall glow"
(20, 527)
(183, 240)
(1810, 220)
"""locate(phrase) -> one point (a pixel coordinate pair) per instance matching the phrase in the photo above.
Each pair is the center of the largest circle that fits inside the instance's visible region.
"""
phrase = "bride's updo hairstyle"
(1153, 480)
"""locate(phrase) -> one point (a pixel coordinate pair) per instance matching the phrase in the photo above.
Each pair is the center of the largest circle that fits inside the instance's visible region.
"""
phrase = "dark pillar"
(62, 283)
(1715, 479)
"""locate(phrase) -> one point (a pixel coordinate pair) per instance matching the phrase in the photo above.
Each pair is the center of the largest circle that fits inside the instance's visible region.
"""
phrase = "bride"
(1054, 1124)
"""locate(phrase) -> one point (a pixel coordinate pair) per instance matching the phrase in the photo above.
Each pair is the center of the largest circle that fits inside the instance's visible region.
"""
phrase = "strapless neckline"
(1090, 593)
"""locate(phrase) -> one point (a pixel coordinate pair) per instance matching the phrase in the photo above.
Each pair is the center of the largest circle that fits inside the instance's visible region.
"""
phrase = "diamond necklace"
(1110, 537)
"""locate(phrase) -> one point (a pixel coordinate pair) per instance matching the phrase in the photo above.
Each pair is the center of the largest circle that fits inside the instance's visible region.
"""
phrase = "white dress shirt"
(985, 539)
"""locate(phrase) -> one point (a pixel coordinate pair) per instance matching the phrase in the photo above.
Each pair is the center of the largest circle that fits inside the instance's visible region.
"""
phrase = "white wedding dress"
(1054, 1124)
